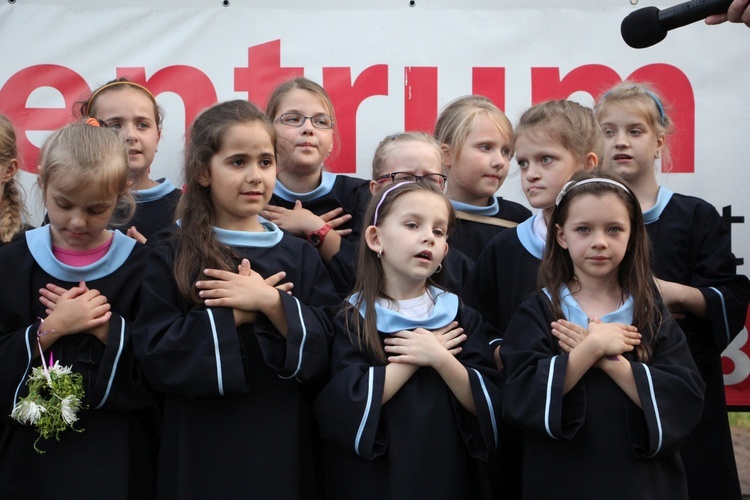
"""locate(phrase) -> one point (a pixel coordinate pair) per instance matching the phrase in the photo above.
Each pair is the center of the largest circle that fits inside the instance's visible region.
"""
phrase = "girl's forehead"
(300, 98)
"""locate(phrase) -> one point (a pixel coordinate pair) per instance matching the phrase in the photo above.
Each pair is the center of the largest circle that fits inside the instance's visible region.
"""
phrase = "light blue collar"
(490, 210)
(39, 242)
(575, 314)
(529, 239)
(390, 321)
(662, 199)
(162, 189)
(326, 184)
(265, 239)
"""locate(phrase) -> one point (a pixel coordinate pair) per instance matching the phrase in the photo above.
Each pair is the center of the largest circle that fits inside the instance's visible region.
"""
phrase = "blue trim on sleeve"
(162, 189)
(261, 239)
(662, 200)
(547, 403)
(489, 406)
(115, 364)
(39, 242)
(302, 343)
(529, 240)
(217, 353)
(490, 210)
(656, 409)
(724, 312)
(370, 380)
(28, 365)
(327, 181)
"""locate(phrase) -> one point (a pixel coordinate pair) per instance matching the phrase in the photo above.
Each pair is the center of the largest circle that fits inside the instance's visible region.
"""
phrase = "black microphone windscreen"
(641, 28)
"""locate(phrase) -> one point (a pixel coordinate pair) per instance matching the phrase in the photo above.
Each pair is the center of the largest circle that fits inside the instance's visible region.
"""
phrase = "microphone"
(648, 26)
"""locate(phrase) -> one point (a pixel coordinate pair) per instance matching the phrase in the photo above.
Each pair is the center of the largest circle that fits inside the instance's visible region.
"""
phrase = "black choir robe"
(422, 443)
(115, 455)
(237, 416)
(594, 442)
(471, 237)
(154, 208)
(335, 190)
(691, 245)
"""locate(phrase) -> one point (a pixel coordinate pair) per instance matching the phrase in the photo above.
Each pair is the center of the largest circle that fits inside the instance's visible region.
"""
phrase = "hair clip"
(94, 122)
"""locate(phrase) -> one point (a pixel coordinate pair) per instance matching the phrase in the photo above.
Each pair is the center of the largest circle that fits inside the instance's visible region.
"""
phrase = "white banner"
(388, 66)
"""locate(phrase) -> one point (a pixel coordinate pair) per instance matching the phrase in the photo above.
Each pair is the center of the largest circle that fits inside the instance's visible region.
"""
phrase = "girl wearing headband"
(399, 157)
(131, 109)
(614, 397)
(409, 412)
(84, 281)
(694, 266)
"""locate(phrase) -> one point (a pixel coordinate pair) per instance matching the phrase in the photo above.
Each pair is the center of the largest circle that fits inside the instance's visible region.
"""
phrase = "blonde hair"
(302, 83)
(458, 117)
(567, 122)
(12, 208)
(80, 154)
(647, 101)
(387, 145)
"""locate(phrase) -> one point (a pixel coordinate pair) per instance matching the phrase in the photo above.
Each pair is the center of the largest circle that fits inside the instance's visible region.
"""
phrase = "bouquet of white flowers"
(55, 394)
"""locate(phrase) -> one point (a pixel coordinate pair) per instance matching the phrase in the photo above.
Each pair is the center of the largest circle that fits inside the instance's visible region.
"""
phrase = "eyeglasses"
(436, 179)
(323, 122)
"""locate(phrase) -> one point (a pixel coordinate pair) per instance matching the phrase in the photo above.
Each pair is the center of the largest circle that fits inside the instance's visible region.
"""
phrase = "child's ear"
(374, 188)
(659, 146)
(446, 251)
(560, 236)
(372, 238)
(10, 171)
(447, 155)
(204, 178)
(591, 162)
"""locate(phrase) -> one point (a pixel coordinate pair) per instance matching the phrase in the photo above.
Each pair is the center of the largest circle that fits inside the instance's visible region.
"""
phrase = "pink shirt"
(81, 258)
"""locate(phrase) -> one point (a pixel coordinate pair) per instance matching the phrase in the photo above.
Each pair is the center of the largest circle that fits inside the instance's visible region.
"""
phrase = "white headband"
(573, 184)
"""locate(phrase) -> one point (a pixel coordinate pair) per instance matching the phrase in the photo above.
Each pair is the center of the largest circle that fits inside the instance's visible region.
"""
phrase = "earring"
(380, 253)
(439, 268)
(658, 153)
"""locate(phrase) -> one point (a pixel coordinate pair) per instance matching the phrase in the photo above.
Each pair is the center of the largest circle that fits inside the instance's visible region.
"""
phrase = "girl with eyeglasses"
(308, 201)
(477, 141)
(404, 157)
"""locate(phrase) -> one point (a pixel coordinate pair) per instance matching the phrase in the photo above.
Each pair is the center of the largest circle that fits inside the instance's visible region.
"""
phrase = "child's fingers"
(332, 215)
(220, 274)
(344, 232)
(285, 287)
(244, 268)
(274, 279)
(455, 341)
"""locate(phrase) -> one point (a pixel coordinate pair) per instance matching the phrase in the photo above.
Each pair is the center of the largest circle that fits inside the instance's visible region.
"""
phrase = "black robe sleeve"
(349, 409)
(669, 386)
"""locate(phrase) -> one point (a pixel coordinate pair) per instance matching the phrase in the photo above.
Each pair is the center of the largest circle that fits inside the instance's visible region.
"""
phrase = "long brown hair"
(12, 207)
(634, 274)
(197, 246)
(370, 283)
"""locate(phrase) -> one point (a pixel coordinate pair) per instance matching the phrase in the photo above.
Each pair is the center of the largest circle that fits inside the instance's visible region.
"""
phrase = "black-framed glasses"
(438, 180)
(323, 122)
